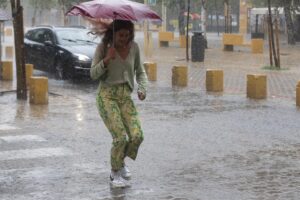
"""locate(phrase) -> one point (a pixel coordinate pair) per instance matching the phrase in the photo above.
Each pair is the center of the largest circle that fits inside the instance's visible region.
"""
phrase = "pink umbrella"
(193, 15)
(114, 9)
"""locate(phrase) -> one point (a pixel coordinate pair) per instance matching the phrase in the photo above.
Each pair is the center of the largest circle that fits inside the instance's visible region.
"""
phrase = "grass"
(274, 68)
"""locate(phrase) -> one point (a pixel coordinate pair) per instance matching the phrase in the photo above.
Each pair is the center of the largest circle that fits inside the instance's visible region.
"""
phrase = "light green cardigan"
(119, 70)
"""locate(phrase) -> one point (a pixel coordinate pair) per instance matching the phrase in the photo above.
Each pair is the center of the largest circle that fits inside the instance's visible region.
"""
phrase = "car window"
(40, 35)
(48, 36)
(29, 34)
(74, 37)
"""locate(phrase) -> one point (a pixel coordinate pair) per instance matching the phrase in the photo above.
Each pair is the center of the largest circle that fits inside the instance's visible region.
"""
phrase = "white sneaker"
(125, 173)
(116, 180)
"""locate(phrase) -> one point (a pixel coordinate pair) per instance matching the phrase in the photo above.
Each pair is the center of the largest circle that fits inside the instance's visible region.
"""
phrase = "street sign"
(152, 2)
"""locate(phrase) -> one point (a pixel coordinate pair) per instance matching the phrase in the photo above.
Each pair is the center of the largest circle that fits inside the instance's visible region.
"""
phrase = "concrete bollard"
(182, 41)
(256, 86)
(9, 52)
(257, 45)
(7, 70)
(180, 76)
(8, 32)
(164, 38)
(151, 70)
(38, 90)
(214, 80)
(29, 72)
(298, 94)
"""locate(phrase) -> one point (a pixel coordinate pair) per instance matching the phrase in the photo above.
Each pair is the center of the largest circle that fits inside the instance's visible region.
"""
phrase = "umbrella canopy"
(193, 15)
(114, 9)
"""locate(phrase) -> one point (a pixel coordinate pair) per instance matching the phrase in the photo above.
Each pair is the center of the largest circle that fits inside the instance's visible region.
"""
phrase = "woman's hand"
(111, 54)
(141, 96)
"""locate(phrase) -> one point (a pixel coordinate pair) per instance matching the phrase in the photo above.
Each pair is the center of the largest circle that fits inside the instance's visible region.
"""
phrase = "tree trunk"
(63, 9)
(181, 17)
(217, 14)
(1, 29)
(17, 12)
(187, 31)
(289, 23)
(270, 43)
(277, 39)
(41, 17)
(272, 34)
(33, 19)
(164, 15)
(226, 15)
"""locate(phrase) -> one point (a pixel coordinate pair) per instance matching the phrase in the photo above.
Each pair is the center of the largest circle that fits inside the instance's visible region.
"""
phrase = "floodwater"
(198, 145)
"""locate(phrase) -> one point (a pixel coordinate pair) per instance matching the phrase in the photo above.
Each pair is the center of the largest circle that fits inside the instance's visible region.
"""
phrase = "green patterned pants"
(120, 116)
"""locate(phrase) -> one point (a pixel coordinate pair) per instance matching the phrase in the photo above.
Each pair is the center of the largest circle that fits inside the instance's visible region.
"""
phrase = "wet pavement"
(198, 145)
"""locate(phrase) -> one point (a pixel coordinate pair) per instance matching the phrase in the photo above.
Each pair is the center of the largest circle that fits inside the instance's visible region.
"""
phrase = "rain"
(221, 117)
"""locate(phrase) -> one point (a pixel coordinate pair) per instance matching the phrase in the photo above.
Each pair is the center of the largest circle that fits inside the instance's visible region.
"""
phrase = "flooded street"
(198, 145)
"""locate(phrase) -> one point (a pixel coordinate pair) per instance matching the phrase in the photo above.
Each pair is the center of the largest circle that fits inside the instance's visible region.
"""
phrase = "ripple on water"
(269, 173)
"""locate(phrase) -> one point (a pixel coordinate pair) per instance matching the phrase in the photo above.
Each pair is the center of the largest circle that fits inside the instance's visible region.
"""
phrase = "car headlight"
(81, 57)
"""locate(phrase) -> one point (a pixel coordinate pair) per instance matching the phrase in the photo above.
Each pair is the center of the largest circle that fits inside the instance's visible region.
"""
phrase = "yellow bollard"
(8, 32)
(7, 70)
(182, 41)
(164, 38)
(257, 45)
(29, 72)
(151, 70)
(38, 90)
(256, 86)
(214, 80)
(298, 94)
(180, 76)
(9, 52)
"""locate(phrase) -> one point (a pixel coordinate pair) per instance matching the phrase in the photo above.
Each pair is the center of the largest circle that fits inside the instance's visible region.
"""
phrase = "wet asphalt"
(198, 145)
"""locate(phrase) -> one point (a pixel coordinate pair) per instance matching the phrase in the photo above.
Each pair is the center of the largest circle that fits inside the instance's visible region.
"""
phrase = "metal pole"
(203, 17)
(146, 35)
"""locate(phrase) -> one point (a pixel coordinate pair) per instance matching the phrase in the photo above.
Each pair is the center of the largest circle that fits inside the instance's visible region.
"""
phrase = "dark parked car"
(65, 51)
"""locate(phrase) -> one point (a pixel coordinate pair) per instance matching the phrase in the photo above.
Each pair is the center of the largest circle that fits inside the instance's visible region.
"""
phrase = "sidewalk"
(198, 145)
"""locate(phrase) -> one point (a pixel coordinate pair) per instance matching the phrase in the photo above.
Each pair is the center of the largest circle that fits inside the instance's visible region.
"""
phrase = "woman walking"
(115, 64)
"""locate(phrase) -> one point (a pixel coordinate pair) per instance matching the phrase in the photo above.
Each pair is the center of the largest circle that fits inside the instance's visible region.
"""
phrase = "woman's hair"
(118, 25)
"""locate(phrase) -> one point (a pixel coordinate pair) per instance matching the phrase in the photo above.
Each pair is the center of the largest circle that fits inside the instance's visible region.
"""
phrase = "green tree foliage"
(289, 7)
(42, 4)
(65, 5)
(3, 3)
(39, 6)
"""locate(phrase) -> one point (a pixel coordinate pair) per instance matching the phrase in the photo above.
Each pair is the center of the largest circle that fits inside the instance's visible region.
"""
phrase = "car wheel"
(59, 70)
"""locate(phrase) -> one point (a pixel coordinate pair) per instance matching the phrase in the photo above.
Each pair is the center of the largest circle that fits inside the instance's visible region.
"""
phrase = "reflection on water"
(7, 85)
(119, 193)
(133, 191)
(39, 111)
(21, 109)
(24, 109)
